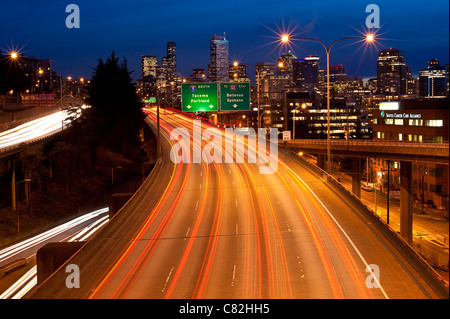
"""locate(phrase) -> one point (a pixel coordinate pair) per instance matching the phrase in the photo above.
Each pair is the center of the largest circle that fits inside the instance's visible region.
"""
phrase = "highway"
(77, 229)
(34, 130)
(223, 230)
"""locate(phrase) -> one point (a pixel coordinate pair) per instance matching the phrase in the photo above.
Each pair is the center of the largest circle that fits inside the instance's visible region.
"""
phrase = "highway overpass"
(437, 153)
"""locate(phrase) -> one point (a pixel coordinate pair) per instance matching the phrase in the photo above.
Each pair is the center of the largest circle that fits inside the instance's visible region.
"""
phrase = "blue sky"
(135, 27)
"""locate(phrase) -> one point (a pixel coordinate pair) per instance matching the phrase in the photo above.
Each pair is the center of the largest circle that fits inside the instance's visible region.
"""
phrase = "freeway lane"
(222, 230)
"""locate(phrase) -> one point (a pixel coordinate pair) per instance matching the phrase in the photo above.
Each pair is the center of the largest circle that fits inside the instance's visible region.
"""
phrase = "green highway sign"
(151, 100)
(235, 96)
(199, 97)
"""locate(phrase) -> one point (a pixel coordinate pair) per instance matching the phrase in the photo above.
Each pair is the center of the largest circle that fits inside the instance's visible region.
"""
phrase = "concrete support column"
(321, 161)
(406, 201)
(356, 176)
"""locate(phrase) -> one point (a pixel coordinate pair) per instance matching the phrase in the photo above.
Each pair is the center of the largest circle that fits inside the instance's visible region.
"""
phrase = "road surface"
(223, 230)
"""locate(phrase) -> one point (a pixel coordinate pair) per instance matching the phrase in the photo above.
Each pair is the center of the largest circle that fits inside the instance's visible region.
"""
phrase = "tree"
(113, 98)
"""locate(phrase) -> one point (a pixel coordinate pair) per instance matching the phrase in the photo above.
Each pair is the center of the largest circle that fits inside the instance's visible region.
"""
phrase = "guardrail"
(4, 270)
(383, 143)
(404, 248)
(6, 150)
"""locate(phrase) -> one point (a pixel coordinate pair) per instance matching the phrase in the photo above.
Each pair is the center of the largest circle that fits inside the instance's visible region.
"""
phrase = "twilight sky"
(143, 27)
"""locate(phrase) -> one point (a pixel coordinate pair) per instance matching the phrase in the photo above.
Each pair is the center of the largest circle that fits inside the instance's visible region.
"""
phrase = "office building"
(391, 73)
(433, 81)
(238, 72)
(218, 69)
(285, 65)
(263, 70)
(149, 65)
(415, 121)
(38, 74)
(171, 59)
(306, 73)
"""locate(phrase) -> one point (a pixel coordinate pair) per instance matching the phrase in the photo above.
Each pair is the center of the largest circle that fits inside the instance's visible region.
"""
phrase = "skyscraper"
(391, 72)
(148, 65)
(238, 72)
(432, 81)
(306, 73)
(218, 69)
(171, 59)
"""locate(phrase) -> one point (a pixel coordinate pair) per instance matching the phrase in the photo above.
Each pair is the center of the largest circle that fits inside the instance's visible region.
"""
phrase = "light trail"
(36, 129)
(12, 250)
(29, 280)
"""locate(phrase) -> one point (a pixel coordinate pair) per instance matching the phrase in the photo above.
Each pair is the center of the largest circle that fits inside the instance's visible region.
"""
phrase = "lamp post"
(368, 38)
(17, 198)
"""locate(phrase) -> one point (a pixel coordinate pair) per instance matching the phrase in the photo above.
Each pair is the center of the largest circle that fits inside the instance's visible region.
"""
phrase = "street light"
(17, 199)
(368, 38)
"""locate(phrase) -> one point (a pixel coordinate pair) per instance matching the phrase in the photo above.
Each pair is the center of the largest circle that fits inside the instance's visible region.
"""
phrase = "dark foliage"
(115, 103)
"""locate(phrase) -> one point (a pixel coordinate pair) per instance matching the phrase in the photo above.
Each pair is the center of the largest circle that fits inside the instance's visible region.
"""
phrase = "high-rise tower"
(391, 72)
(171, 58)
(433, 81)
(218, 69)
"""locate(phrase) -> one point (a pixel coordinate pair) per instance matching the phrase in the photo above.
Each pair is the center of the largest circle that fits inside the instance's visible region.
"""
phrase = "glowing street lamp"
(285, 38)
(14, 55)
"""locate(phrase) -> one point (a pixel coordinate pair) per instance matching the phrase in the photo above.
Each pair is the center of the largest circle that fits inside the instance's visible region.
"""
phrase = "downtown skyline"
(143, 28)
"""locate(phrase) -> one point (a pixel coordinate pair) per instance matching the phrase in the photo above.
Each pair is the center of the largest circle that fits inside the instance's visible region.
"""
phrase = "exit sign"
(235, 96)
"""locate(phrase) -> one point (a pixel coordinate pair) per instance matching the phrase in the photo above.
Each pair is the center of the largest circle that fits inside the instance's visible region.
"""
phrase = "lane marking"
(167, 280)
(345, 234)
(234, 276)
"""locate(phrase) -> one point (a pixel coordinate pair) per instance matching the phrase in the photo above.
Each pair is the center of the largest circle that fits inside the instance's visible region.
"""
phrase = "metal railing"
(379, 143)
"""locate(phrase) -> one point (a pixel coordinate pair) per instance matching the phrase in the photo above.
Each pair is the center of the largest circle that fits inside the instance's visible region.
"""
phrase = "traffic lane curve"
(169, 274)
(271, 245)
(398, 277)
(100, 252)
(344, 250)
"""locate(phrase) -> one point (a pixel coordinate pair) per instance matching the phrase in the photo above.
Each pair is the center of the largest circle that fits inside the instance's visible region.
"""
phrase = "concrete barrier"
(413, 257)
(117, 201)
(52, 256)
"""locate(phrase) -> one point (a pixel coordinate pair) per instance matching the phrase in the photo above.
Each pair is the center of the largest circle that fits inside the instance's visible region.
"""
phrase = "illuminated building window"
(388, 121)
(434, 123)
(415, 122)
(398, 121)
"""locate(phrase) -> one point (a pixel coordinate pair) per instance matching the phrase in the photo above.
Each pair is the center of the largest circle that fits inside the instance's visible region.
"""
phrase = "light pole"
(17, 198)
(368, 38)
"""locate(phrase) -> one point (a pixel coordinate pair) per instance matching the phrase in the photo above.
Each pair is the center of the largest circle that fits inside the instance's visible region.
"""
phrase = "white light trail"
(35, 129)
(29, 280)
